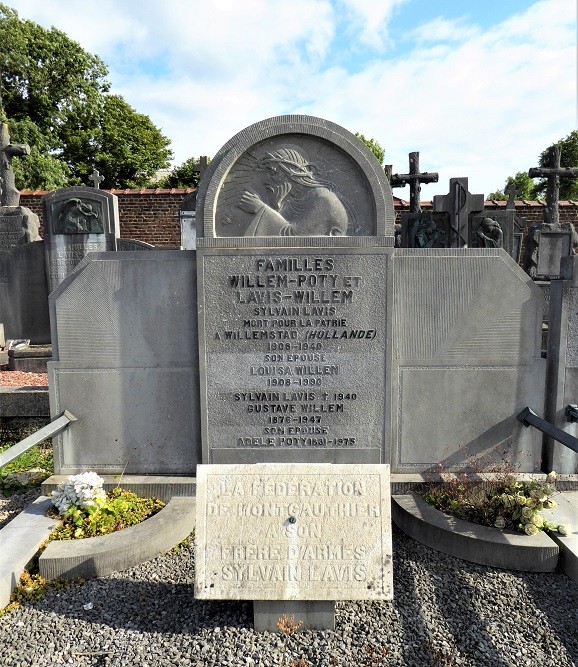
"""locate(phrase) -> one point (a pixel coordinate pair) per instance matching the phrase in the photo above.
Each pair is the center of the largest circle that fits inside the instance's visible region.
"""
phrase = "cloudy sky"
(479, 87)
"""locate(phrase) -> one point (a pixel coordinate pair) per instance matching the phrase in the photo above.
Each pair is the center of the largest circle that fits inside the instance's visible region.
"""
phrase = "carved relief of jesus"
(300, 204)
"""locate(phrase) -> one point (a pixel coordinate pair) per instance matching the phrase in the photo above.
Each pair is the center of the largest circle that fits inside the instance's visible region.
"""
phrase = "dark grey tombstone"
(425, 230)
(459, 204)
(546, 245)
(496, 229)
(23, 305)
(77, 221)
(133, 244)
(294, 281)
(190, 228)
(562, 361)
(125, 364)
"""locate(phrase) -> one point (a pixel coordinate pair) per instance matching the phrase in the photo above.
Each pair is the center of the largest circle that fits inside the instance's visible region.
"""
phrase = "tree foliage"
(185, 175)
(374, 146)
(536, 188)
(55, 96)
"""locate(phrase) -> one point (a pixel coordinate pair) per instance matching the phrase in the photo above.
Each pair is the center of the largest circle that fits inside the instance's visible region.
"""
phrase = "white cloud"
(483, 107)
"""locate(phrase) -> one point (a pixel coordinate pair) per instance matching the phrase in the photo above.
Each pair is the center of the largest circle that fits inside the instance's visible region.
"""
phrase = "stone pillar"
(562, 365)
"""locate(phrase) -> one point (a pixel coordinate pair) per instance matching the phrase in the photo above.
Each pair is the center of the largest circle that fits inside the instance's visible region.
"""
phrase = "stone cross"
(511, 191)
(553, 173)
(9, 195)
(202, 166)
(96, 179)
(414, 179)
(459, 203)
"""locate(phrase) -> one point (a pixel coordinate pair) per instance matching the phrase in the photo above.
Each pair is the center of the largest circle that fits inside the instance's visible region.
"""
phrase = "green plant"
(27, 470)
(120, 509)
(505, 502)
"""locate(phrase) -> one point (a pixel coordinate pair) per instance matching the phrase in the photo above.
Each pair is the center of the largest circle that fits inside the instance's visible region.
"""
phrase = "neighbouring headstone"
(311, 532)
(21, 261)
(498, 229)
(459, 204)
(549, 242)
(416, 229)
(293, 277)
(190, 228)
(77, 221)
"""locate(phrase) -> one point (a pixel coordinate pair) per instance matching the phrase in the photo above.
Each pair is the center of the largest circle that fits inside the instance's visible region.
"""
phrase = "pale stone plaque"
(296, 531)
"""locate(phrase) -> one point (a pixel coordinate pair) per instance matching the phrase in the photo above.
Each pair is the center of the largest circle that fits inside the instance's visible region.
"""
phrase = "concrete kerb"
(478, 544)
(99, 556)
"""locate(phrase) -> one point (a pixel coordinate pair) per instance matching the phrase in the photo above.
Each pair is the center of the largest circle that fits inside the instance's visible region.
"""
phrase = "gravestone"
(548, 243)
(418, 230)
(21, 263)
(497, 229)
(459, 204)
(312, 532)
(77, 221)
(294, 307)
(190, 230)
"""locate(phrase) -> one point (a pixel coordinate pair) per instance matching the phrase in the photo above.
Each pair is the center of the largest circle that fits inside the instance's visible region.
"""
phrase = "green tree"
(185, 175)
(54, 95)
(530, 188)
(522, 182)
(131, 148)
(374, 146)
(568, 158)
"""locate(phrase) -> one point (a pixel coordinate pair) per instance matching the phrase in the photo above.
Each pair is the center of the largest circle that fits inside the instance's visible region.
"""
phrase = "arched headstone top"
(295, 176)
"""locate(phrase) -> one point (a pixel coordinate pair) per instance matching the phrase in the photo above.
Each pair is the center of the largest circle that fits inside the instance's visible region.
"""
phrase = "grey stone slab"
(132, 420)
(20, 540)
(128, 310)
(478, 544)
(125, 351)
(100, 556)
(295, 175)
(562, 359)
(308, 615)
(24, 294)
(545, 246)
(459, 204)
(294, 355)
(465, 361)
(24, 402)
(293, 532)
(18, 226)
(77, 221)
(126, 245)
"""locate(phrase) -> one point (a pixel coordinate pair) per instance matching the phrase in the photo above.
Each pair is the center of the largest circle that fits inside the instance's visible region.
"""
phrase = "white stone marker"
(297, 531)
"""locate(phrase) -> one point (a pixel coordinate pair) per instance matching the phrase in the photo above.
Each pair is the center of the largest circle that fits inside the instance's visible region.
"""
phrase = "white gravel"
(446, 612)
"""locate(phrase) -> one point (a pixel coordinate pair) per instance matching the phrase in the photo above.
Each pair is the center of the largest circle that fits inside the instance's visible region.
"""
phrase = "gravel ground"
(446, 612)
(22, 379)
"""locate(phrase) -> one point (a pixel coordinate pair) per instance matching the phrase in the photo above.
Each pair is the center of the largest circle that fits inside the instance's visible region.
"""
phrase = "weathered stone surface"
(77, 221)
(465, 362)
(294, 355)
(562, 361)
(294, 176)
(309, 532)
(125, 364)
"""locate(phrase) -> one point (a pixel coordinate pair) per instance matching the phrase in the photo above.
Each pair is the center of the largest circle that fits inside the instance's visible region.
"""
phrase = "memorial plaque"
(77, 221)
(294, 354)
(293, 532)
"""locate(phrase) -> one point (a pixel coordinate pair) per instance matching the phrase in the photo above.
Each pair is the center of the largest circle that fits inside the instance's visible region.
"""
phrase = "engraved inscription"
(295, 351)
(305, 535)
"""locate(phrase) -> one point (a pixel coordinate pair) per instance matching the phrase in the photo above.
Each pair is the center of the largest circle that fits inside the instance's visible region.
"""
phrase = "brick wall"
(153, 215)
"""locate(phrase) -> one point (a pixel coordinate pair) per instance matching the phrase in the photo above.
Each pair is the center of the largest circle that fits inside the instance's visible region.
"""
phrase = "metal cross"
(414, 179)
(553, 173)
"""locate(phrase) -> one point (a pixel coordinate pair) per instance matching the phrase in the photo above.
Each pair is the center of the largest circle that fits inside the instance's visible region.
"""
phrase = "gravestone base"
(31, 359)
(318, 615)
